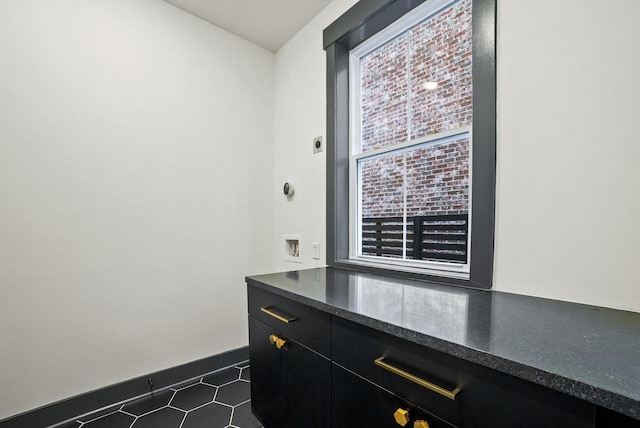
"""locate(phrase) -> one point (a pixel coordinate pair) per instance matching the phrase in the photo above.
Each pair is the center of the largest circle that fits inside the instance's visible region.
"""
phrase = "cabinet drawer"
(371, 406)
(430, 379)
(306, 325)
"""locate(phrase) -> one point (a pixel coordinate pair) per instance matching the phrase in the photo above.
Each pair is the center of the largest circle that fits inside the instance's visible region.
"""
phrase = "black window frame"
(363, 20)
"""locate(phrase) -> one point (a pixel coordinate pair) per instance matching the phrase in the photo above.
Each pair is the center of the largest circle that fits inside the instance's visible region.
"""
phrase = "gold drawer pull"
(283, 318)
(415, 379)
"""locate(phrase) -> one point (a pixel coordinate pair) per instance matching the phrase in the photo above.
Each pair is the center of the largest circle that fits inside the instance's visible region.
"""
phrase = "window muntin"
(411, 111)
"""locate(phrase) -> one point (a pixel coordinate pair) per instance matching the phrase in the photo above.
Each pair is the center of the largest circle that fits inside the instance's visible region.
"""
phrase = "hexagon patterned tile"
(217, 400)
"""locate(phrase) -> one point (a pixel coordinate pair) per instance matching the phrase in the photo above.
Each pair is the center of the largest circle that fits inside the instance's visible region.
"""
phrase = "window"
(411, 139)
(411, 115)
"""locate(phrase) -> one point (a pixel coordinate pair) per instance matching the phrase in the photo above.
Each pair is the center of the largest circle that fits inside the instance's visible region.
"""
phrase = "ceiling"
(267, 23)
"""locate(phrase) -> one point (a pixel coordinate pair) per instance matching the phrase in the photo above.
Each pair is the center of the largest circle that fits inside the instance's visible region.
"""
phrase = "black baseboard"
(73, 407)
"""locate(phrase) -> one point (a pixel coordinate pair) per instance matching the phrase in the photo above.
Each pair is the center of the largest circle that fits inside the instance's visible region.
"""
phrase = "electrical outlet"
(318, 144)
(315, 250)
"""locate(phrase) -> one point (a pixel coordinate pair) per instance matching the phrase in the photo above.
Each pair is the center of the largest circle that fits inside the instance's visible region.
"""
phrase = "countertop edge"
(590, 393)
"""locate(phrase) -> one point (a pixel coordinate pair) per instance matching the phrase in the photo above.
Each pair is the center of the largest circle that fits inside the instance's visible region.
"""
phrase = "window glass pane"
(382, 205)
(384, 95)
(437, 197)
(419, 83)
(429, 184)
(440, 70)
(438, 178)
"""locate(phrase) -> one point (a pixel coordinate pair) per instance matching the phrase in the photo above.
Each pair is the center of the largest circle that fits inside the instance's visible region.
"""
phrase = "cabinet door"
(290, 386)
(359, 403)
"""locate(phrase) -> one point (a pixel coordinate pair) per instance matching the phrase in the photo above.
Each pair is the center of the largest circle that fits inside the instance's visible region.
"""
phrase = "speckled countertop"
(585, 351)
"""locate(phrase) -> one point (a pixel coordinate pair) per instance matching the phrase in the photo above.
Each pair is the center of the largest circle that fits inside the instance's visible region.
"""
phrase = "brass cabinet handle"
(275, 340)
(415, 379)
(283, 318)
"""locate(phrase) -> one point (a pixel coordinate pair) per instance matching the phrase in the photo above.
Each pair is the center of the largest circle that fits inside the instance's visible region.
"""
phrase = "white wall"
(133, 140)
(300, 110)
(568, 182)
(568, 214)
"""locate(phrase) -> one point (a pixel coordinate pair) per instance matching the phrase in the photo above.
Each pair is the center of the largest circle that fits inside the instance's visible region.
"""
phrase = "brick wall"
(384, 96)
(438, 179)
(397, 107)
(441, 52)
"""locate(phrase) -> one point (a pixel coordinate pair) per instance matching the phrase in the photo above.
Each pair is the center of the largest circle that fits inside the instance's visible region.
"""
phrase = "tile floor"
(219, 400)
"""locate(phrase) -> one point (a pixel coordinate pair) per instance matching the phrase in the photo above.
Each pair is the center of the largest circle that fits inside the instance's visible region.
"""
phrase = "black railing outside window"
(441, 237)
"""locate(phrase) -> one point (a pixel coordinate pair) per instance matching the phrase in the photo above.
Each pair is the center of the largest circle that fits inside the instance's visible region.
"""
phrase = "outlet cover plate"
(315, 250)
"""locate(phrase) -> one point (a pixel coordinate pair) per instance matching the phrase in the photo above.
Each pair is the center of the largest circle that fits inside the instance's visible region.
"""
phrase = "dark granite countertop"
(589, 352)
